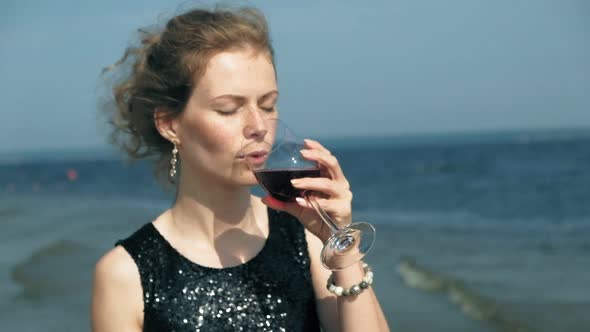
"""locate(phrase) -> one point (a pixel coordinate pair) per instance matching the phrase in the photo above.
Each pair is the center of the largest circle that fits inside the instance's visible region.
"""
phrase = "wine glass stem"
(318, 209)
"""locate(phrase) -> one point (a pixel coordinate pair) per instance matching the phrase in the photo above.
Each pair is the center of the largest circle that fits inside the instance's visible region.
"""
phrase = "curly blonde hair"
(160, 74)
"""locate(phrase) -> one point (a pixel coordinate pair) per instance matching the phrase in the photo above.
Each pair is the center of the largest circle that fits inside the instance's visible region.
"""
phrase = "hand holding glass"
(274, 172)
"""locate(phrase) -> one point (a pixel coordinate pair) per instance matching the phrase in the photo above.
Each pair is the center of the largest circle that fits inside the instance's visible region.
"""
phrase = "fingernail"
(301, 201)
(295, 181)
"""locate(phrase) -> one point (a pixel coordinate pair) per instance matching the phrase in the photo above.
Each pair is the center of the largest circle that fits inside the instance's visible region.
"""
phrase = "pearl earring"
(173, 162)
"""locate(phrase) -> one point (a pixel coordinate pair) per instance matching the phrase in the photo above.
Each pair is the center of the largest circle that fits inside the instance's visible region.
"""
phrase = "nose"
(256, 126)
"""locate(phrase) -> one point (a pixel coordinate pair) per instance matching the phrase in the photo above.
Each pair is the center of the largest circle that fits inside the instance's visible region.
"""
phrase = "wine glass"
(275, 163)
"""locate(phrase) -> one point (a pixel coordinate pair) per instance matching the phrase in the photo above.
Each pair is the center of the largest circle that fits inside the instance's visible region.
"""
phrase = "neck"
(205, 209)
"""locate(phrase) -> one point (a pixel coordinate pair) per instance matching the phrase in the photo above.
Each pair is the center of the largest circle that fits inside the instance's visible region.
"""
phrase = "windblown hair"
(161, 72)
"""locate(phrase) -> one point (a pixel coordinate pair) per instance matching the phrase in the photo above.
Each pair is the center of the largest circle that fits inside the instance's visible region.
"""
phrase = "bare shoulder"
(116, 266)
(117, 299)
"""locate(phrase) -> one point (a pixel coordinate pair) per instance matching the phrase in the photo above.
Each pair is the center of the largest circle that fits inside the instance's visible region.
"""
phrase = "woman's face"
(225, 117)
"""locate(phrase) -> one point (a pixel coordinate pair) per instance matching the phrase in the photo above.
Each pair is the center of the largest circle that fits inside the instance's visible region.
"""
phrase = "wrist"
(349, 276)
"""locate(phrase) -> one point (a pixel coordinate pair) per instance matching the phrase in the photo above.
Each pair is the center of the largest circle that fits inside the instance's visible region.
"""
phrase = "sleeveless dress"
(271, 292)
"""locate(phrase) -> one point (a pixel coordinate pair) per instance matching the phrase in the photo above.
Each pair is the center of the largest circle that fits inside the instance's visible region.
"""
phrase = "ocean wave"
(9, 211)
(58, 269)
(469, 302)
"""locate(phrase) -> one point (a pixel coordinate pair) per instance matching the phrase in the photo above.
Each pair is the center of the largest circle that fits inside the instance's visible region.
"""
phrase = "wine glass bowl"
(282, 162)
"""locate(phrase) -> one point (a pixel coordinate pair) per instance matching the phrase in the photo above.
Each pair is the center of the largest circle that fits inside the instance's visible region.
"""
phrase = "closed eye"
(226, 112)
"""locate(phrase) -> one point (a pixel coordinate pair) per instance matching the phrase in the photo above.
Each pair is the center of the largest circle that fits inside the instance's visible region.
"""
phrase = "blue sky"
(345, 68)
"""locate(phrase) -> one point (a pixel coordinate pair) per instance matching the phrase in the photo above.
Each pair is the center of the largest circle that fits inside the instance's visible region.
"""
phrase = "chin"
(247, 179)
(252, 182)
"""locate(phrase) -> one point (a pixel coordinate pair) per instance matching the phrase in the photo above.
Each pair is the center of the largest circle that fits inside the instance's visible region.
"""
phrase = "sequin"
(271, 292)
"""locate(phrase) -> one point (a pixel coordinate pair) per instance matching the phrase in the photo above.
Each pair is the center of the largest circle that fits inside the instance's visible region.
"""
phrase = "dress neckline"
(192, 264)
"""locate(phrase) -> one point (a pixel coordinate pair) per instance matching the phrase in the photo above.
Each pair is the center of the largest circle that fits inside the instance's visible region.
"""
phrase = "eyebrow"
(242, 98)
(268, 95)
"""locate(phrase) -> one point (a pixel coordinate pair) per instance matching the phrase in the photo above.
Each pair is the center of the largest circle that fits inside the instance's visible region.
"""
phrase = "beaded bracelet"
(355, 289)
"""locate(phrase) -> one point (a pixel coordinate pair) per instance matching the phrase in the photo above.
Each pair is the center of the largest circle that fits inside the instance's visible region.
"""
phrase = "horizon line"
(404, 137)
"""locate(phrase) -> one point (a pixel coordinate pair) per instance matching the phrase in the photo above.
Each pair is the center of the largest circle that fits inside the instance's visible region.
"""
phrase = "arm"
(117, 298)
(353, 313)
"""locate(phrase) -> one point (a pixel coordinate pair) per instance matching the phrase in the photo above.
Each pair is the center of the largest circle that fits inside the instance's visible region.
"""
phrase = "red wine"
(277, 182)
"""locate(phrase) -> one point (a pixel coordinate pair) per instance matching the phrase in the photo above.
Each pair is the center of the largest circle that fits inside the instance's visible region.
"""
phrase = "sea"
(475, 231)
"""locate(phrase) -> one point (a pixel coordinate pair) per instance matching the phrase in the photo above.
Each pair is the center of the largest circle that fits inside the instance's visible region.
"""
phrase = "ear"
(166, 124)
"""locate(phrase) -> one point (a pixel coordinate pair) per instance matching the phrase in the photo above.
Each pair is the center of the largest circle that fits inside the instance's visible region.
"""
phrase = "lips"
(257, 154)
(253, 154)
(256, 158)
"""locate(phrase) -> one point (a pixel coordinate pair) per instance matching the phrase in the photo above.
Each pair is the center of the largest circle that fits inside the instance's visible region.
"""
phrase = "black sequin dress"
(270, 292)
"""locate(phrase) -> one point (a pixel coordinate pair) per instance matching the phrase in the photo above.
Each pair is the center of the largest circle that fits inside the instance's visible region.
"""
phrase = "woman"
(221, 259)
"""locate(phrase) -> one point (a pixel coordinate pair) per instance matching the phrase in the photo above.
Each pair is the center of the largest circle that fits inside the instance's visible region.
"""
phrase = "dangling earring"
(173, 161)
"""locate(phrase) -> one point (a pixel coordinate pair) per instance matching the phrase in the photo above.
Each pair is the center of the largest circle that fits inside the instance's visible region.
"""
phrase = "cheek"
(209, 139)
(213, 136)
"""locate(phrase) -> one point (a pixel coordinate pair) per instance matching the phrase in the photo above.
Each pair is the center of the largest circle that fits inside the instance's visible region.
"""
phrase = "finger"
(337, 209)
(328, 161)
(338, 205)
(324, 185)
(316, 145)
